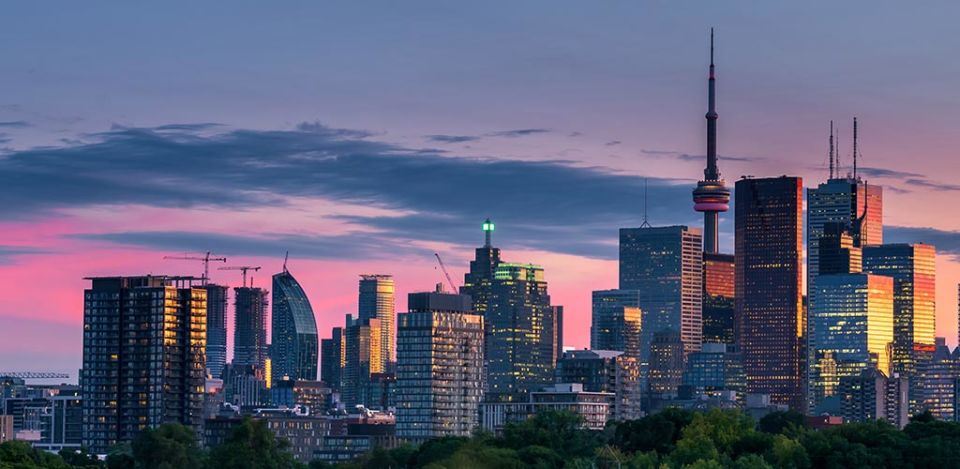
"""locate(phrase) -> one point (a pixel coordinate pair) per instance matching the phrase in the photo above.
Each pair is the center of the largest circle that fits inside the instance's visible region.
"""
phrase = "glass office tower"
(769, 296)
(294, 350)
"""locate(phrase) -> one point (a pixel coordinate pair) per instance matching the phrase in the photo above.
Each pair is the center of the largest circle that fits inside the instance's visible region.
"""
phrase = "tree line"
(666, 440)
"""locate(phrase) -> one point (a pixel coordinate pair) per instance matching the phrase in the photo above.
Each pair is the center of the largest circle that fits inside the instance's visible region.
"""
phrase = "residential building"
(250, 327)
(439, 366)
(216, 329)
(616, 321)
(332, 359)
(143, 357)
(294, 350)
(376, 301)
(605, 371)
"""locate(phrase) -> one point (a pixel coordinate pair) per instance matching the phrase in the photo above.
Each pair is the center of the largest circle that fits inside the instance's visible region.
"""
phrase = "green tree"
(252, 446)
(751, 461)
(788, 453)
(169, 446)
(781, 422)
(658, 432)
(79, 458)
(120, 457)
(561, 431)
(21, 455)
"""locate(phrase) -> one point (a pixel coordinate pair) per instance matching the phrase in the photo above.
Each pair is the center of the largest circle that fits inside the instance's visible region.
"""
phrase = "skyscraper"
(332, 359)
(478, 282)
(667, 362)
(519, 346)
(362, 359)
(376, 302)
(913, 268)
(615, 323)
(719, 290)
(143, 357)
(216, 329)
(665, 265)
(439, 366)
(769, 301)
(293, 349)
(250, 327)
(711, 195)
(852, 326)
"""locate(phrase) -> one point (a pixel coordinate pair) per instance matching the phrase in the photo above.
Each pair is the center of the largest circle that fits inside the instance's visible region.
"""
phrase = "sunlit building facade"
(144, 364)
(665, 265)
(439, 367)
(913, 269)
(616, 321)
(362, 359)
(769, 296)
(719, 288)
(294, 349)
(852, 326)
(519, 351)
(376, 301)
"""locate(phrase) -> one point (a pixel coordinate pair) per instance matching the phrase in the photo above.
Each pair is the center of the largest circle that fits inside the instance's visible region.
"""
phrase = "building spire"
(645, 223)
(487, 233)
(711, 195)
(711, 173)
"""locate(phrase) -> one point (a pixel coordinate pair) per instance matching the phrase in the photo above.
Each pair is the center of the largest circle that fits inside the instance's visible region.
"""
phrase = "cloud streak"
(548, 205)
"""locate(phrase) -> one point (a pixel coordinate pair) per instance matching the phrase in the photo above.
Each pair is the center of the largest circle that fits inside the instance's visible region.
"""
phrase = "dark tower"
(711, 195)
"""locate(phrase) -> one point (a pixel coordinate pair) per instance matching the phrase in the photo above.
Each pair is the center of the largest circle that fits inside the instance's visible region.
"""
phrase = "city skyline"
(65, 220)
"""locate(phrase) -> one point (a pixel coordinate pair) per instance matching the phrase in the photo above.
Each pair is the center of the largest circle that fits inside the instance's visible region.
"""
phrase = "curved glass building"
(294, 351)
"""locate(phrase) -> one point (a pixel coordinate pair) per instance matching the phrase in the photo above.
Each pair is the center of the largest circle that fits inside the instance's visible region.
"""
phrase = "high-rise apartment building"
(362, 359)
(250, 327)
(719, 289)
(870, 395)
(519, 349)
(769, 297)
(332, 359)
(913, 268)
(616, 321)
(852, 325)
(143, 357)
(294, 350)
(665, 265)
(216, 329)
(605, 371)
(376, 301)
(439, 366)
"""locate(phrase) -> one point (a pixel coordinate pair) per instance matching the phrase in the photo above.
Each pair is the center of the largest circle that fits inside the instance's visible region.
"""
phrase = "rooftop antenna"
(285, 257)
(487, 232)
(645, 224)
(855, 148)
(831, 149)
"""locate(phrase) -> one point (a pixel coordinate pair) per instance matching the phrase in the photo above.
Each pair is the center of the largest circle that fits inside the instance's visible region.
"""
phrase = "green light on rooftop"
(488, 225)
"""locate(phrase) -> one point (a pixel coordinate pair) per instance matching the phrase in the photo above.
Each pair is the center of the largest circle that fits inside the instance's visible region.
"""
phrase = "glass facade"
(770, 325)
(332, 359)
(216, 329)
(144, 341)
(376, 301)
(852, 327)
(913, 269)
(250, 327)
(719, 290)
(362, 359)
(665, 265)
(294, 350)
(520, 351)
(615, 323)
(715, 368)
(439, 367)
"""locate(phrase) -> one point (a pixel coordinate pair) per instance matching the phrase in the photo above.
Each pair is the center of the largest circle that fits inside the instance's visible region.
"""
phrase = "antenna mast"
(645, 224)
(855, 150)
(831, 149)
(285, 257)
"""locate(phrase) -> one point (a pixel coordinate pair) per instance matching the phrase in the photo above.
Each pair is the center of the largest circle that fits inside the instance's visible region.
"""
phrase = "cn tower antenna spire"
(711, 195)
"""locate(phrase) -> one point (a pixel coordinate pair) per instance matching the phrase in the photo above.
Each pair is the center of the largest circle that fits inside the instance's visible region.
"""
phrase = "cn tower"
(711, 195)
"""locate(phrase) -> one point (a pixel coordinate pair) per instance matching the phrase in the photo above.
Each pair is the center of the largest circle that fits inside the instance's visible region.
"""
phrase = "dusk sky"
(363, 138)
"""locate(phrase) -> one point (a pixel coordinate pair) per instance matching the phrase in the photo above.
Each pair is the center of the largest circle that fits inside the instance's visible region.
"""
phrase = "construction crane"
(244, 269)
(205, 259)
(445, 273)
(33, 375)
